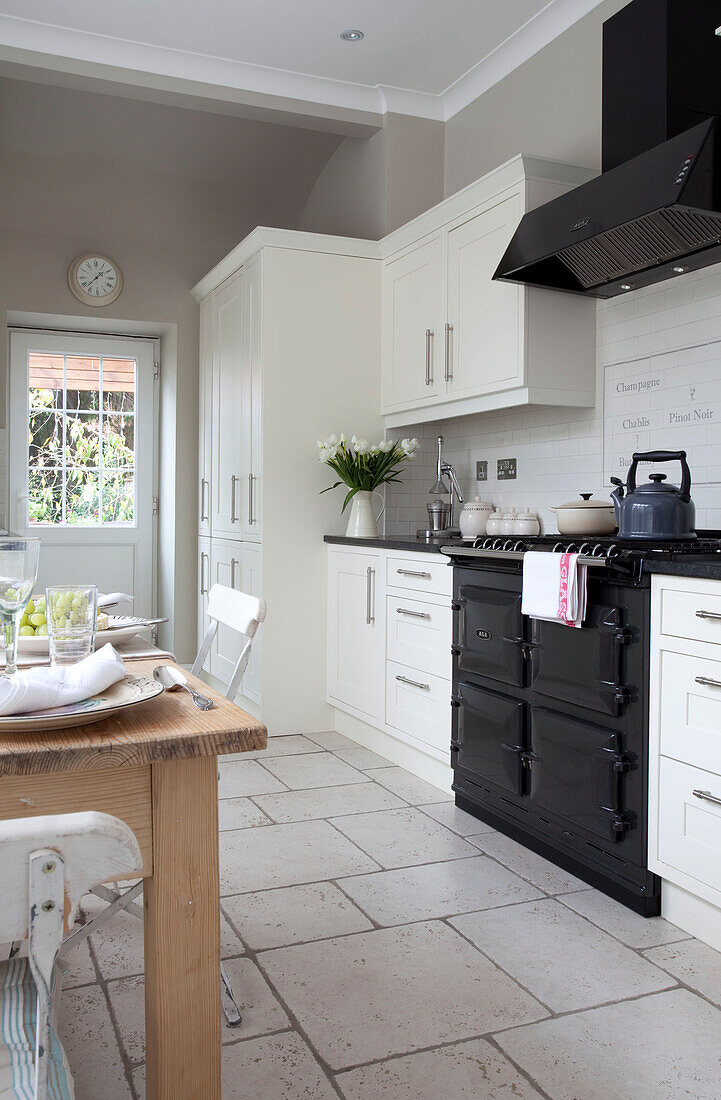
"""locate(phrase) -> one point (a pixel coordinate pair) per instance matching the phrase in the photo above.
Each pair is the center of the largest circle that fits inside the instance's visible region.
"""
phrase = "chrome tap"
(439, 488)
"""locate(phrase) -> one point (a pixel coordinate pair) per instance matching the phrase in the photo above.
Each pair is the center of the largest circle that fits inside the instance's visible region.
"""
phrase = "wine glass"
(18, 574)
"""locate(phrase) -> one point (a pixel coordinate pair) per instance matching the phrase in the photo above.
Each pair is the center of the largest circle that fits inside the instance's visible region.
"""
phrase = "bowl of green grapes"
(33, 632)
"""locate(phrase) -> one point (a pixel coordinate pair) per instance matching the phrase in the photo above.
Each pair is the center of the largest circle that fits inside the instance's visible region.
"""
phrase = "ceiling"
(421, 57)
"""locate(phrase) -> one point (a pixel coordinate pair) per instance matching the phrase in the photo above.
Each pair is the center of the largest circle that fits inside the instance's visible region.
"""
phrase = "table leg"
(182, 934)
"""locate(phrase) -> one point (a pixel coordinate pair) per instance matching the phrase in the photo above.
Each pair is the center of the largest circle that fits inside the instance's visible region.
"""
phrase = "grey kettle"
(656, 510)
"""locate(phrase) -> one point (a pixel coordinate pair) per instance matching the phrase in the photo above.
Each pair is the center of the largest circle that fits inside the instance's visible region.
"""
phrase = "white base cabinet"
(685, 746)
(389, 643)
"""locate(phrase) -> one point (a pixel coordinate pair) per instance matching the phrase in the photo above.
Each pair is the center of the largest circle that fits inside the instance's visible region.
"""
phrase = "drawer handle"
(708, 682)
(706, 796)
(708, 614)
(414, 683)
(413, 573)
(413, 614)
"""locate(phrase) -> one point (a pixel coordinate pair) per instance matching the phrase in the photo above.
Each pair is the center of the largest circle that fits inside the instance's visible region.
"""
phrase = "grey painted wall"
(550, 106)
(166, 192)
(370, 187)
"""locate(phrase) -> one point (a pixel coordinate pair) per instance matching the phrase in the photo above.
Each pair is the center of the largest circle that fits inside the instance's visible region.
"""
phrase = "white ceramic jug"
(363, 521)
(472, 520)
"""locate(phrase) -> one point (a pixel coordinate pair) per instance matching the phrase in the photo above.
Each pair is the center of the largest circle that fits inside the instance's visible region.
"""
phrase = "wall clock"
(94, 279)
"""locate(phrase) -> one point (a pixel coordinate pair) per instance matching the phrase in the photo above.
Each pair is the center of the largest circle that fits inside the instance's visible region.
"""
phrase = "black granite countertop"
(709, 568)
(417, 545)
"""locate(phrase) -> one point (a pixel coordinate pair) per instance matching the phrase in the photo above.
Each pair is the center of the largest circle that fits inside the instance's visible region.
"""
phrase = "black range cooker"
(550, 724)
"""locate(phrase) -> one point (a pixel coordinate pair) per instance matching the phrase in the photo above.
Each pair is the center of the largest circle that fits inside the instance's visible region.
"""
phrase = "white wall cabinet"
(389, 643)
(205, 416)
(278, 316)
(455, 342)
(685, 750)
(356, 630)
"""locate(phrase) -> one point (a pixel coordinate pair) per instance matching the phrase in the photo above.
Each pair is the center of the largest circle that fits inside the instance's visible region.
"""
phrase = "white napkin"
(554, 588)
(47, 688)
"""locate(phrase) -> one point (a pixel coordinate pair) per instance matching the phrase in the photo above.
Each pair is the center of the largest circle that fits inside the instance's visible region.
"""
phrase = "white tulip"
(324, 454)
(361, 446)
(341, 438)
(375, 449)
(386, 445)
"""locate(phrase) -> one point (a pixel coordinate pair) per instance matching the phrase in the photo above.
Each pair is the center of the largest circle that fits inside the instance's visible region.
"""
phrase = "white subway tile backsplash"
(559, 451)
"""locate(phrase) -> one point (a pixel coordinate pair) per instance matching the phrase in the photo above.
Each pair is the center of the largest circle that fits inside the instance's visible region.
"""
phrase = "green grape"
(37, 619)
(27, 631)
(41, 631)
(24, 619)
(30, 607)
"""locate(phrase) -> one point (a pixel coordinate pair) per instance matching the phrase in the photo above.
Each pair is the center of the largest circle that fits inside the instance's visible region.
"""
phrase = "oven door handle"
(526, 647)
(619, 761)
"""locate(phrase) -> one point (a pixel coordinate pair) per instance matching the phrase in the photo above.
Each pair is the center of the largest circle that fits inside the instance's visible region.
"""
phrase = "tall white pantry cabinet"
(289, 352)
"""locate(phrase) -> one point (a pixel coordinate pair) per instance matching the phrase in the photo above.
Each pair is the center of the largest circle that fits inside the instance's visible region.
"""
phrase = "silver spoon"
(173, 679)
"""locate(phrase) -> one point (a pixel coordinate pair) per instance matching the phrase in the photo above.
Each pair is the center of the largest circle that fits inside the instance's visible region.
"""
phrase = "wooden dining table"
(154, 765)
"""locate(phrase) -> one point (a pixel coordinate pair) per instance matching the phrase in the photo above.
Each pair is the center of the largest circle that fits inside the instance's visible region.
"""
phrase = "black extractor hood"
(655, 211)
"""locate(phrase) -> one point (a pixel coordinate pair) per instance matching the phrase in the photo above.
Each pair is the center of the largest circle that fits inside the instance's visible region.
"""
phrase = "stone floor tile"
(276, 1067)
(362, 758)
(244, 777)
(621, 922)
(409, 787)
(87, 1033)
(260, 1009)
(437, 890)
(329, 739)
(665, 1046)
(399, 838)
(392, 991)
(572, 964)
(294, 914)
(353, 798)
(317, 769)
(77, 967)
(239, 813)
(541, 872)
(288, 744)
(472, 1070)
(448, 814)
(693, 963)
(284, 855)
(118, 946)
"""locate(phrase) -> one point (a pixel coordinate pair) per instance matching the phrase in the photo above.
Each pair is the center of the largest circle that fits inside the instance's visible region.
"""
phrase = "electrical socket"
(506, 469)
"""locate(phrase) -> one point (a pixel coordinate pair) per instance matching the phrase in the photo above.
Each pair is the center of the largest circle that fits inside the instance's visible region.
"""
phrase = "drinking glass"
(18, 574)
(71, 612)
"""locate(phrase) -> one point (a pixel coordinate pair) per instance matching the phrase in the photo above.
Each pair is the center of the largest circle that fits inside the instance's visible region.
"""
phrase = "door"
(205, 413)
(252, 398)
(484, 342)
(356, 649)
(82, 458)
(236, 566)
(203, 590)
(227, 399)
(488, 630)
(412, 308)
(488, 737)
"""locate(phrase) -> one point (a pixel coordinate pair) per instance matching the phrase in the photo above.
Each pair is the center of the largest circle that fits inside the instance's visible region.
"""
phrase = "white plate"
(126, 693)
(126, 627)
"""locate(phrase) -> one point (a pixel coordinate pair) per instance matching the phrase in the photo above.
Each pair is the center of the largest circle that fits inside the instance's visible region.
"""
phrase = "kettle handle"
(662, 456)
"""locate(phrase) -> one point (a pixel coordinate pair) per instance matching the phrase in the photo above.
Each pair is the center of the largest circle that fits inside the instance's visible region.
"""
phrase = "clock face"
(95, 280)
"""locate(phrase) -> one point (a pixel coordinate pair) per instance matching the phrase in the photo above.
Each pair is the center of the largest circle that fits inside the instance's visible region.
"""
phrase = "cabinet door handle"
(448, 373)
(203, 581)
(707, 682)
(233, 512)
(429, 375)
(413, 573)
(414, 683)
(233, 563)
(251, 515)
(370, 574)
(203, 506)
(706, 796)
(708, 614)
(413, 614)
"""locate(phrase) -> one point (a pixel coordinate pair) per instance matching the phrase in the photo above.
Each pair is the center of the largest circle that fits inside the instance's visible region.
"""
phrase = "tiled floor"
(385, 945)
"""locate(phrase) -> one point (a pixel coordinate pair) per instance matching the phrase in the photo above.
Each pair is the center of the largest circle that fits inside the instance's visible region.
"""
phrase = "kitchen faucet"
(439, 488)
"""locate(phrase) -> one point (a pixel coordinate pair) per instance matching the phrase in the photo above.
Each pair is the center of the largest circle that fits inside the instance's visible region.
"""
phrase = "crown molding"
(341, 105)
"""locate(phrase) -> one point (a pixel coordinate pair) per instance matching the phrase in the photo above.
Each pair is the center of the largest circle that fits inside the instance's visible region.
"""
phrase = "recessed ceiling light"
(352, 36)
(626, 286)
(680, 270)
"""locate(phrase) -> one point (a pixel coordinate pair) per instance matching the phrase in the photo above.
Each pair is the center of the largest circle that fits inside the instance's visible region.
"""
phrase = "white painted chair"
(46, 865)
(243, 614)
(239, 612)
